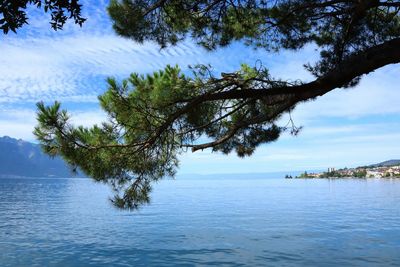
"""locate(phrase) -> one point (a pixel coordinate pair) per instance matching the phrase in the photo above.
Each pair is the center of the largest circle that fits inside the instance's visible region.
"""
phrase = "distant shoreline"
(344, 178)
(386, 169)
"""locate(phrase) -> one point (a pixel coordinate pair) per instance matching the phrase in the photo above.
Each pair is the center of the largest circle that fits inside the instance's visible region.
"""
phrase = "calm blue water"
(273, 222)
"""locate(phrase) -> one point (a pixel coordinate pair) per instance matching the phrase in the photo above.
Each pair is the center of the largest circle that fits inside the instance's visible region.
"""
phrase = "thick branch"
(355, 66)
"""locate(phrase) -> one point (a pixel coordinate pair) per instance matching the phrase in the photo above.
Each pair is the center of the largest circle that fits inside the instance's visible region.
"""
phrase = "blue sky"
(347, 127)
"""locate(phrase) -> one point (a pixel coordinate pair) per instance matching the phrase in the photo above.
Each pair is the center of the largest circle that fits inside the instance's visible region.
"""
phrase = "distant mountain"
(388, 163)
(19, 158)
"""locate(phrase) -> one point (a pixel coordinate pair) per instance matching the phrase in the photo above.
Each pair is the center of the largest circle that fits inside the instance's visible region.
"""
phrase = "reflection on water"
(69, 222)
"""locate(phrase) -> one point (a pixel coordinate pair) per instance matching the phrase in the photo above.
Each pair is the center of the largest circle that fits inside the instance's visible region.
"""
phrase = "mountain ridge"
(19, 158)
(387, 163)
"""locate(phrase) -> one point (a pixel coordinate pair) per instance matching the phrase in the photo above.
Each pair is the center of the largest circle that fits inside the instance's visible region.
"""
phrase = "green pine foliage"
(147, 128)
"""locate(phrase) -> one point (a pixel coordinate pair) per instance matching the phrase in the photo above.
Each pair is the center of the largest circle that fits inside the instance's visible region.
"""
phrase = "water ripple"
(68, 222)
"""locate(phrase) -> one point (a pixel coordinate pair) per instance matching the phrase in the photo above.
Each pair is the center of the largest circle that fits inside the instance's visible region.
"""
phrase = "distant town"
(386, 169)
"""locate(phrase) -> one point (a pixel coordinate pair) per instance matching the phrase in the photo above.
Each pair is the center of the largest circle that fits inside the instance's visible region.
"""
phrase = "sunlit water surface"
(240, 222)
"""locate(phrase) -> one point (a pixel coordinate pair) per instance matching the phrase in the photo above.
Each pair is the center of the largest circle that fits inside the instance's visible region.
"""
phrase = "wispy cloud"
(20, 122)
(46, 68)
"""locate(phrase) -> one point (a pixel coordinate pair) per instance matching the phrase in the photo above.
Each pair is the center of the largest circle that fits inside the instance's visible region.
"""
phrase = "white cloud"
(88, 118)
(19, 123)
(377, 94)
(48, 68)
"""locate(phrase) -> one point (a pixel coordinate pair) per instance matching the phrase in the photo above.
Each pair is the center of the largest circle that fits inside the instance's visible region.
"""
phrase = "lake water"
(247, 222)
